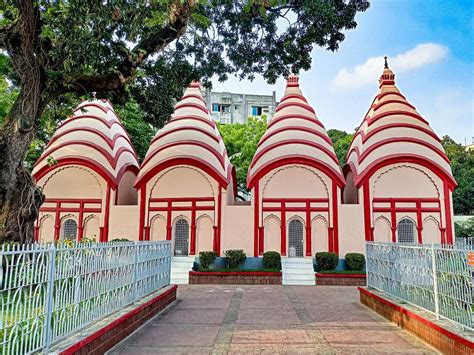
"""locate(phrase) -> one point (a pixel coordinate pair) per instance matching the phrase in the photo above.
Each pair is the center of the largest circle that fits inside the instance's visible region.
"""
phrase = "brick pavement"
(222, 319)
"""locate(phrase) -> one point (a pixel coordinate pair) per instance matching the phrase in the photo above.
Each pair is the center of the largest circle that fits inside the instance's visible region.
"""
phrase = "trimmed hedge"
(236, 257)
(272, 260)
(355, 261)
(326, 261)
(207, 258)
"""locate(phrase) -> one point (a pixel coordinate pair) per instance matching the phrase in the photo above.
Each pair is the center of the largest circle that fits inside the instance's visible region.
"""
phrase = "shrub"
(355, 261)
(326, 261)
(207, 258)
(272, 260)
(120, 240)
(236, 257)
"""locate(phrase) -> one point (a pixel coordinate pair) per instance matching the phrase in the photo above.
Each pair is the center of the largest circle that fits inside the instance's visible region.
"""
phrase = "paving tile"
(165, 335)
(365, 338)
(264, 316)
(203, 303)
(235, 319)
(193, 316)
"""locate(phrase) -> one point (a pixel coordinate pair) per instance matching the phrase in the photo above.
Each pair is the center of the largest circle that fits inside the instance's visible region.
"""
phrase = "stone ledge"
(439, 333)
(102, 335)
(235, 278)
(341, 279)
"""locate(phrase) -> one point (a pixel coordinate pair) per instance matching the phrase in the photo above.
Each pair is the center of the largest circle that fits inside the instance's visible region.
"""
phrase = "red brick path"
(221, 319)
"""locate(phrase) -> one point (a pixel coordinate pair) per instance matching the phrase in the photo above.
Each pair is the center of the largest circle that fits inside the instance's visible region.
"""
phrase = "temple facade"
(395, 186)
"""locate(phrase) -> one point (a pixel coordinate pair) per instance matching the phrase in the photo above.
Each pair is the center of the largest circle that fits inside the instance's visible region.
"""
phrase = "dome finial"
(386, 62)
(292, 80)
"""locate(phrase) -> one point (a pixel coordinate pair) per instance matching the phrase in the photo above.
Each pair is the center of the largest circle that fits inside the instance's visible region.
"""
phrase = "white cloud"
(367, 73)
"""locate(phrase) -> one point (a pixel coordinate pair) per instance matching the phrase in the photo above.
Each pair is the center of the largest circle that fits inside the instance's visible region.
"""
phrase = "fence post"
(435, 280)
(49, 300)
(135, 272)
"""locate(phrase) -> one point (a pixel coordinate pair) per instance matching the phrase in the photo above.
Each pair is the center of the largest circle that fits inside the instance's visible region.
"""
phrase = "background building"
(227, 107)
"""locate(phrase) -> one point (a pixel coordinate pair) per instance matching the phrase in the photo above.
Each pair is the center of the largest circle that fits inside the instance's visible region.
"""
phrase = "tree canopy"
(82, 46)
(462, 165)
(241, 140)
(341, 141)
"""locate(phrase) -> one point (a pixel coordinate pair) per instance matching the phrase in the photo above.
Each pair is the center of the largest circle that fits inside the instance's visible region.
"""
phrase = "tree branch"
(156, 41)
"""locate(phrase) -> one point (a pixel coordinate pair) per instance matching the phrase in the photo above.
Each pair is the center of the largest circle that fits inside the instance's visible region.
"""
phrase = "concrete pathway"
(221, 319)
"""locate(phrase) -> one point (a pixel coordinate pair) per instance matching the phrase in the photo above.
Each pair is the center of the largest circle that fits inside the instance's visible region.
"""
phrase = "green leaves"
(241, 141)
(462, 165)
(341, 141)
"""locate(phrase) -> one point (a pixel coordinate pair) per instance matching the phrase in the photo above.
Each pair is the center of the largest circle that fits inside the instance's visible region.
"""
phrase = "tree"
(462, 165)
(82, 46)
(241, 141)
(464, 229)
(141, 132)
(341, 141)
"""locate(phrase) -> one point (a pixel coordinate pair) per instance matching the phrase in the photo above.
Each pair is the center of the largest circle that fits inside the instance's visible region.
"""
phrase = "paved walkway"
(268, 319)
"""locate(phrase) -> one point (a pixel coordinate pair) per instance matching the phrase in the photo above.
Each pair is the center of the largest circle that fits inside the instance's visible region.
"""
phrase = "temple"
(395, 186)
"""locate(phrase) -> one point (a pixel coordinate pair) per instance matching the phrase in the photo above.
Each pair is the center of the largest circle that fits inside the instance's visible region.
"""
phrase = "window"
(295, 238)
(256, 111)
(236, 107)
(70, 230)
(181, 236)
(215, 107)
(225, 108)
(406, 231)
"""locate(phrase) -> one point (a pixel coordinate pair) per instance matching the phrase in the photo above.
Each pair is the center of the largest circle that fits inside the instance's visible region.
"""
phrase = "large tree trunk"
(20, 199)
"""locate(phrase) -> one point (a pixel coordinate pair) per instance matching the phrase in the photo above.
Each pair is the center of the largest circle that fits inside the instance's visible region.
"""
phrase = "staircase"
(180, 268)
(297, 271)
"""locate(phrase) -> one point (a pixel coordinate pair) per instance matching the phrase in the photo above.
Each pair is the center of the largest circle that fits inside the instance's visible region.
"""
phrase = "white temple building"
(396, 184)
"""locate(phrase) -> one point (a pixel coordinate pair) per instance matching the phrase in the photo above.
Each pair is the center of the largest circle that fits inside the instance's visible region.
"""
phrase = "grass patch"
(238, 270)
(347, 272)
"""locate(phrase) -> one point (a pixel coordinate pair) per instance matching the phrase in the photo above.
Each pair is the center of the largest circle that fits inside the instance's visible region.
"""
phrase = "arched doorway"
(181, 237)
(406, 231)
(295, 239)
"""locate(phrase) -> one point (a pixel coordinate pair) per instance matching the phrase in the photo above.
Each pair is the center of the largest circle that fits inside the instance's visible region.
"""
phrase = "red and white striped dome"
(189, 138)
(294, 136)
(94, 137)
(393, 131)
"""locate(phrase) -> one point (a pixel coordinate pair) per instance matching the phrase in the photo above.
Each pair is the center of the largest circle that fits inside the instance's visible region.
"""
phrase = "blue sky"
(430, 45)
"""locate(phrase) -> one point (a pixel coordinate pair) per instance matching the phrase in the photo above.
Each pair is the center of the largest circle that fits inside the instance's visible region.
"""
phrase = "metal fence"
(48, 291)
(432, 277)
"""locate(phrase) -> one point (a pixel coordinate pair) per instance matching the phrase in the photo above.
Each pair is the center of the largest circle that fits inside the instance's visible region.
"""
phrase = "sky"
(430, 46)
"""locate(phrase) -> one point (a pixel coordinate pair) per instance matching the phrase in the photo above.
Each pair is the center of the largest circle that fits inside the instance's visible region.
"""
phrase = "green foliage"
(462, 165)
(207, 258)
(159, 85)
(8, 93)
(464, 229)
(235, 257)
(326, 261)
(56, 112)
(141, 132)
(120, 240)
(341, 141)
(272, 260)
(241, 140)
(355, 261)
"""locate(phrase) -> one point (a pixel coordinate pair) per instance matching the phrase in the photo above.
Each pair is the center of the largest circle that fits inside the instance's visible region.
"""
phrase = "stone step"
(297, 267)
(298, 282)
(299, 271)
(294, 276)
(179, 281)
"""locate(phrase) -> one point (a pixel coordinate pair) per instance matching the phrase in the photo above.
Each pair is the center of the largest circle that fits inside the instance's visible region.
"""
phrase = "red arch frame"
(207, 147)
(182, 160)
(295, 159)
(260, 153)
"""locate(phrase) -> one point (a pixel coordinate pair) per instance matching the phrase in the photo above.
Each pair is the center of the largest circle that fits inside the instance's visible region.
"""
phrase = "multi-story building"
(227, 107)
